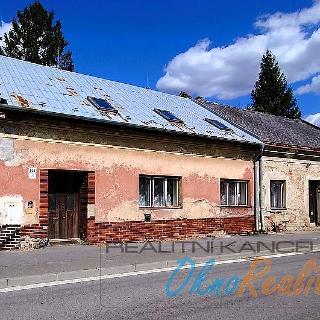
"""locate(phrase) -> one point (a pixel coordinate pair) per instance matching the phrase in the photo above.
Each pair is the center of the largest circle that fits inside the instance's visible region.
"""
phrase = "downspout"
(257, 191)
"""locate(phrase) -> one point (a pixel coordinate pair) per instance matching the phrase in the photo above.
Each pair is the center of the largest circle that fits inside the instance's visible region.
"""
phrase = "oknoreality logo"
(258, 280)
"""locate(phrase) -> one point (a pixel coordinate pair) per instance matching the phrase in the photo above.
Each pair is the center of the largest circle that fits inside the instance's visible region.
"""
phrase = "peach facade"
(117, 174)
(107, 161)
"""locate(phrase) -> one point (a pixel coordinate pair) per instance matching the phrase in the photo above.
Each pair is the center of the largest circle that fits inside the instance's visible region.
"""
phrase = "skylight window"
(102, 105)
(218, 124)
(168, 116)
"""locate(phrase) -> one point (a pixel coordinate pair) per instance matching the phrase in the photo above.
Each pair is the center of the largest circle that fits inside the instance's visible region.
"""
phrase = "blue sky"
(134, 41)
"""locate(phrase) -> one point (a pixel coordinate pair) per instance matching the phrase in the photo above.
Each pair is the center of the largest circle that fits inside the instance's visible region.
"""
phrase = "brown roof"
(270, 129)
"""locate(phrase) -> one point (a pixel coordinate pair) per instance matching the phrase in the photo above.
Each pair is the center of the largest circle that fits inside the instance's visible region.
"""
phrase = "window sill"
(160, 208)
(240, 206)
(278, 209)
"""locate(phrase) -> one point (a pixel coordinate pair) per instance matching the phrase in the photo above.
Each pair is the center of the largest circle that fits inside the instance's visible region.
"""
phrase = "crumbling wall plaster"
(117, 175)
(6, 149)
(297, 174)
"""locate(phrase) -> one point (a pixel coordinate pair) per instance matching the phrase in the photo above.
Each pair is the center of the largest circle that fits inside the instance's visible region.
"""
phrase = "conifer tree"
(271, 93)
(185, 94)
(36, 37)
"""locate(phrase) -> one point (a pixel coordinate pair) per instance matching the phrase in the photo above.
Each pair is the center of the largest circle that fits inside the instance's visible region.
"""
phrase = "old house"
(289, 166)
(84, 157)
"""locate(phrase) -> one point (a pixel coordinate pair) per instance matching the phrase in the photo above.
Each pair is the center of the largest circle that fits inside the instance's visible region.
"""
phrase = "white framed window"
(278, 194)
(158, 192)
(234, 193)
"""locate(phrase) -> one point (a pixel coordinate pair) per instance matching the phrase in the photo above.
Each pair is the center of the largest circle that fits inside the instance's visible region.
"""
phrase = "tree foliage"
(271, 93)
(36, 37)
(184, 94)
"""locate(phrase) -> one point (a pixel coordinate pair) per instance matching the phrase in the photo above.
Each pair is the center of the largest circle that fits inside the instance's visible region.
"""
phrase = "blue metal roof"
(47, 89)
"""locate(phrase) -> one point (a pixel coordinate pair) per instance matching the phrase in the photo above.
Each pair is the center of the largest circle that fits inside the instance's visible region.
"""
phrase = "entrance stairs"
(10, 237)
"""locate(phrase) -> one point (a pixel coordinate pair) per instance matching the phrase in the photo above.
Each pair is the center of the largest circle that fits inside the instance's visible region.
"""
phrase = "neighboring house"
(289, 168)
(84, 157)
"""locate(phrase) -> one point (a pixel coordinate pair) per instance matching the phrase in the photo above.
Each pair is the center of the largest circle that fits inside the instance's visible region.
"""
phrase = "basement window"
(102, 105)
(169, 116)
(218, 124)
(278, 194)
(234, 193)
(159, 192)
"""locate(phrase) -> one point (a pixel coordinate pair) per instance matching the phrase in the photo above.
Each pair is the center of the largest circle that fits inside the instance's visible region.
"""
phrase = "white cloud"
(313, 86)
(4, 28)
(230, 72)
(314, 119)
(302, 17)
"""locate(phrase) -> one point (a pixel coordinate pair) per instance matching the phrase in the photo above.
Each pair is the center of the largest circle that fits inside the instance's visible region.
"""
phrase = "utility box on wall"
(11, 210)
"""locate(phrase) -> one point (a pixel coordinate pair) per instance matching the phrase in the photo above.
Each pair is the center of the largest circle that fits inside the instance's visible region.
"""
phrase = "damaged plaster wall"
(6, 149)
(15, 186)
(117, 175)
(297, 174)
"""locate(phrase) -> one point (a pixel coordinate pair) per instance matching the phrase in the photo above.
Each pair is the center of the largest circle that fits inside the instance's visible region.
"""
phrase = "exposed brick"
(165, 229)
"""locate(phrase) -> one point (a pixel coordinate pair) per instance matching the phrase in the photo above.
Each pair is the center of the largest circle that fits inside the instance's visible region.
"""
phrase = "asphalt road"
(143, 297)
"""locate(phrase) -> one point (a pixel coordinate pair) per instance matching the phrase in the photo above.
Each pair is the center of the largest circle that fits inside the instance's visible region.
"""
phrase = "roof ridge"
(310, 124)
(283, 130)
(257, 112)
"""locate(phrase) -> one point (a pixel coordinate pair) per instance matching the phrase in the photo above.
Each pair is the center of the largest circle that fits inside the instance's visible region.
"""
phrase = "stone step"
(13, 243)
(10, 231)
(11, 226)
(10, 234)
(4, 235)
(11, 247)
(10, 237)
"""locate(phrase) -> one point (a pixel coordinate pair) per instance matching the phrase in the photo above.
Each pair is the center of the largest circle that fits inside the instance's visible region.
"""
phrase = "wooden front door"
(64, 203)
(64, 215)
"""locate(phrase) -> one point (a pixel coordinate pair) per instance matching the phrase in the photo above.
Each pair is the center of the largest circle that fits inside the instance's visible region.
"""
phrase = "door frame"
(314, 201)
(81, 206)
(88, 198)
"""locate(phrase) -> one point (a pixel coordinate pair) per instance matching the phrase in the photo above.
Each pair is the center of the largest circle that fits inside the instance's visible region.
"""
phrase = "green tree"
(184, 94)
(200, 98)
(271, 93)
(36, 37)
